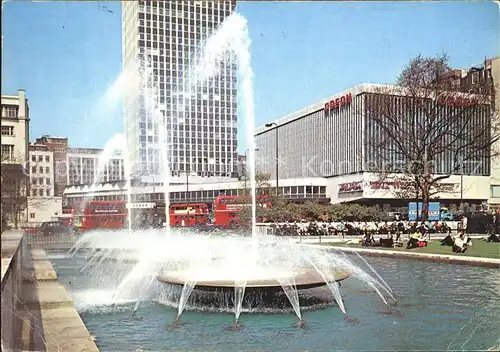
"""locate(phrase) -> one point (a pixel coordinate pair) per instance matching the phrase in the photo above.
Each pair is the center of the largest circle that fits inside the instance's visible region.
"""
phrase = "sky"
(68, 54)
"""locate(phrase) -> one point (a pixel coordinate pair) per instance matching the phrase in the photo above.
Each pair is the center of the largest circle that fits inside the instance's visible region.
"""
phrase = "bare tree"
(17, 196)
(262, 184)
(425, 129)
(15, 188)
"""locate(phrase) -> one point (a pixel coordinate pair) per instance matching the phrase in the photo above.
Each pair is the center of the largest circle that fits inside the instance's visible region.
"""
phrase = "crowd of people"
(391, 233)
(353, 228)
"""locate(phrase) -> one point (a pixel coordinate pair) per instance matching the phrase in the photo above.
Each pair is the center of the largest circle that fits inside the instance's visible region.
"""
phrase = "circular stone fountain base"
(272, 281)
(263, 294)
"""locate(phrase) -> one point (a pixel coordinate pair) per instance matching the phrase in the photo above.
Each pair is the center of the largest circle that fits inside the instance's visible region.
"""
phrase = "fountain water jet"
(292, 294)
(143, 291)
(239, 293)
(276, 266)
(187, 289)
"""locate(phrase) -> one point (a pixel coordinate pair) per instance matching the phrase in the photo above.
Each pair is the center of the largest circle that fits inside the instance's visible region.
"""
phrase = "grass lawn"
(479, 248)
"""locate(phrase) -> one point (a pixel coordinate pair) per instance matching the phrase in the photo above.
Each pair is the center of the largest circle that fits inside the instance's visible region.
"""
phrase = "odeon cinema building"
(334, 142)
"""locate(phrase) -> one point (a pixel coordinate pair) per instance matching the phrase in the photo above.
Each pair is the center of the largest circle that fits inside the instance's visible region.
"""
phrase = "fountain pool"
(241, 273)
(440, 307)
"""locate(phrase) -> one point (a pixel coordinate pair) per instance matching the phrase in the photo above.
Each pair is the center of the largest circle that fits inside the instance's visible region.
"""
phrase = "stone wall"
(37, 312)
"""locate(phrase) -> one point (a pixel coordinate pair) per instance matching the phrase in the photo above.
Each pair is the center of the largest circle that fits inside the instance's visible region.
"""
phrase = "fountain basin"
(207, 279)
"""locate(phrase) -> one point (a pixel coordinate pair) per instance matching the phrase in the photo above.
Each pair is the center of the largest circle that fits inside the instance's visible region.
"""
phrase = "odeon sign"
(456, 101)
(339, 102)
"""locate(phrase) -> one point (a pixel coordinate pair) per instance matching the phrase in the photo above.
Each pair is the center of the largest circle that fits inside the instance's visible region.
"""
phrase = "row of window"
(39, 181)
(40, 170)
(287, 192)
(40, 192)
(40, 158)
(7, 130)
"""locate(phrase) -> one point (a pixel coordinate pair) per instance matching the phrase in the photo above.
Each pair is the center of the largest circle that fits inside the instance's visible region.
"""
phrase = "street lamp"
(269, 125)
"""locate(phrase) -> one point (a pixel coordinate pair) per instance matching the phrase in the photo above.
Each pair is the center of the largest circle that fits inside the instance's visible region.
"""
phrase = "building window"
(47, 181)
(48, 193)
(40, 169)
(34, 192)
(7, 130)
(7, 152)
(47, 170)
(32, 215)
(33, 169)
(47, 158)
(33, 158)
(495, 191)
(40, 158)
(10, 112)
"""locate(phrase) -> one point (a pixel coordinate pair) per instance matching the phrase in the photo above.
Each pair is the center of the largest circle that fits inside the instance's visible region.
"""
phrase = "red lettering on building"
(350, 187)
(456, 101)
(339, 102)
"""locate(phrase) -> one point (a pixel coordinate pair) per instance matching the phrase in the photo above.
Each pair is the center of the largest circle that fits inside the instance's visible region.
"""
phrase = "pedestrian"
(463, 224)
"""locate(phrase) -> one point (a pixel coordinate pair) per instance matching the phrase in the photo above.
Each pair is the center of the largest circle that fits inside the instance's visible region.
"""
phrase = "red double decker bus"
(226, 208)
(100, 215)
(189, 214)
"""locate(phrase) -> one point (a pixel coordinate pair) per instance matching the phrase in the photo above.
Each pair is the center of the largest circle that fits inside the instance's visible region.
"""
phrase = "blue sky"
(66, 54)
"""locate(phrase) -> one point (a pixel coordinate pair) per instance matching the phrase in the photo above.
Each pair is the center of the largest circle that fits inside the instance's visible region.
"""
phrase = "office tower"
(161, 40)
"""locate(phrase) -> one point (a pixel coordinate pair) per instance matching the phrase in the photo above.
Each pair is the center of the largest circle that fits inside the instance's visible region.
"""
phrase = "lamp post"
(269, 125)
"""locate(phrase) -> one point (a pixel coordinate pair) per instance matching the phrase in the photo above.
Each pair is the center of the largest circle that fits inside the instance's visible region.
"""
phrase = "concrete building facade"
(298, 190)
(41, 171)
(330, 139)
(15, 127)
(72, 166)
(43, 204)
(483, 78)
(41, 209)
(14, 158)
(83, 167)
(59, 148)
(196, 120)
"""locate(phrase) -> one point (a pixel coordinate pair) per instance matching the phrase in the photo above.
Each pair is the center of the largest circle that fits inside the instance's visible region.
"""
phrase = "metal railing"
(51, 239)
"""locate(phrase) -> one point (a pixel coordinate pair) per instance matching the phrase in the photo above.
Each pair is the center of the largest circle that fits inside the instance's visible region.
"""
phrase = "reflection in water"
(440, 307)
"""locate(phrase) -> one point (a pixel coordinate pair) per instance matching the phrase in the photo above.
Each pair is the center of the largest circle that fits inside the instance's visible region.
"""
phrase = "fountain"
(224, 272)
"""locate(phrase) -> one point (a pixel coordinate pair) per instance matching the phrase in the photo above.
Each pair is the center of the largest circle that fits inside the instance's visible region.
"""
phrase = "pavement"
(10, 244)
(43, 315)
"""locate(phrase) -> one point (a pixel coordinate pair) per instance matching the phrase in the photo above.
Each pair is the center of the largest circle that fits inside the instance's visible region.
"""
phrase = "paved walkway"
(10, 242)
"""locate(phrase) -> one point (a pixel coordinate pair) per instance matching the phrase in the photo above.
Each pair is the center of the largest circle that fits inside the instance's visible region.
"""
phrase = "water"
(239, 293)
(187, 289)
(290, 290)
(440, 307)
(206, 258)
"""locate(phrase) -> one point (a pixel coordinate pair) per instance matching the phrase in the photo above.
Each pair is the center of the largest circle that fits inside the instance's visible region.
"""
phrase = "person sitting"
(493, 238)
(447, 241)
(387, 242)
(368, 239)
(422, 241)
(413, 241)
(461, 243)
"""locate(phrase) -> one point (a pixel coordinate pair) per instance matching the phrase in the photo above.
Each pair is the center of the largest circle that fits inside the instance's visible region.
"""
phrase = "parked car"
(54, 228)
